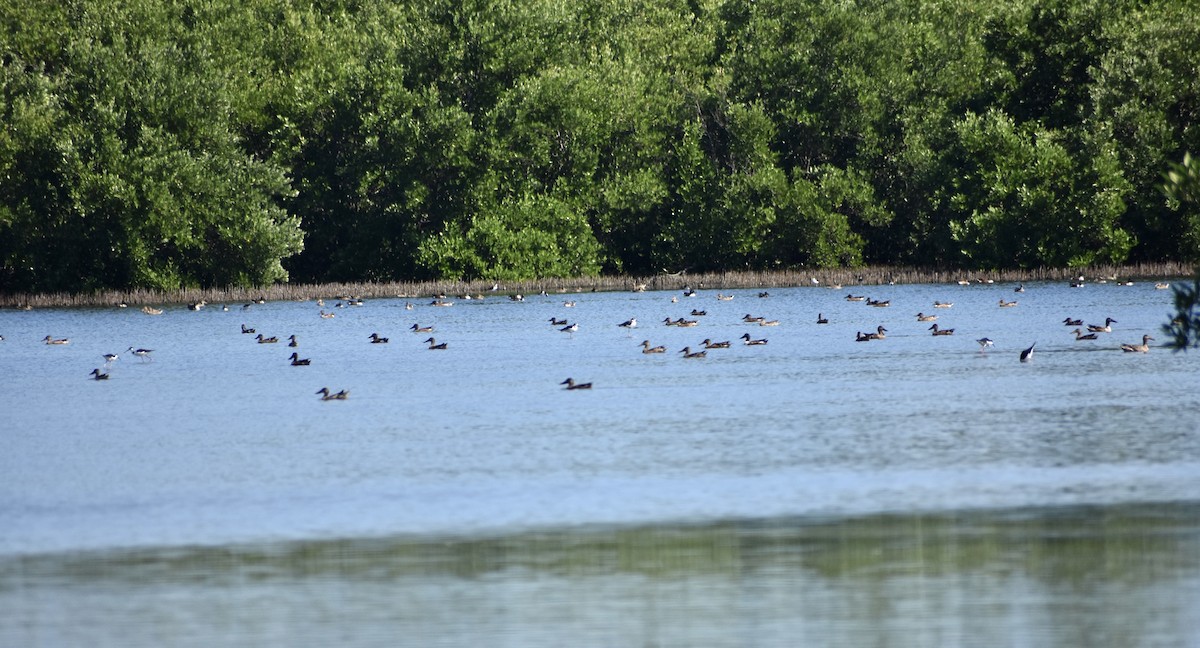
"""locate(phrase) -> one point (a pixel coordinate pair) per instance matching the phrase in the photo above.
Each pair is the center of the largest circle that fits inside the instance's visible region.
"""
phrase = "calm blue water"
(807, 487)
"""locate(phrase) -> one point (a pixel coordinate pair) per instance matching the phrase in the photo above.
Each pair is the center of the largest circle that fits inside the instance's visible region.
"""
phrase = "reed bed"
(825, 277)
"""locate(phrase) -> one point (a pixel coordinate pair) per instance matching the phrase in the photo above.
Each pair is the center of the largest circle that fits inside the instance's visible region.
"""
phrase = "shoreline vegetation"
(825, 278)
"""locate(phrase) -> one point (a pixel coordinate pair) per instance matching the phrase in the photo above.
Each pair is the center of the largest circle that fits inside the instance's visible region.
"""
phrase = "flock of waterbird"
(566, 326)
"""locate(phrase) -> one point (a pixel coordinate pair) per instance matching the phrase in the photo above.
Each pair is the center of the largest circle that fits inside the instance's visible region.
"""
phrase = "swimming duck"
(568, 304)
(297, 361)
(1079, 335)
(646, 348)
(941, 304)
(375, 339)
(709, 344)
(879, 304)
(554, 321)
(922, 317)
(1019, 289)
(688, 353)
(1007, 304)
(195, 306)
(940, 331)
(768, 323)
(441, 302)
(1144, 347)
(821, 319)
(1107, 328)
(879, 334)
(571, 384)
(1073, 322)
(326, 395)
(751, 319)
(721, 297)
(151, 311)
(141, 353)
(1027, 354)
(429, 329)
(434, 346)
(1161, 286)
(54, 340)
(325, 315)
(764, 294)
(862, 337)
(266, 340)
(98, 375)
(698, 313)
(292, 341)
(856, 298)
(248, 331)
(752, 342)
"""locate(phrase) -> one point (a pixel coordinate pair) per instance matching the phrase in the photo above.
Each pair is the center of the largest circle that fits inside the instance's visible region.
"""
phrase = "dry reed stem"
(665, 281)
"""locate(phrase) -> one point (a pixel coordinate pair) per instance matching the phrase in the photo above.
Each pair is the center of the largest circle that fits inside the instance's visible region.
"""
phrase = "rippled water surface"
(915, 490)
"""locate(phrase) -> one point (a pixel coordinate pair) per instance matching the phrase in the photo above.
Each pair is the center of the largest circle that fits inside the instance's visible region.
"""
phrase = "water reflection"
(1095, 576)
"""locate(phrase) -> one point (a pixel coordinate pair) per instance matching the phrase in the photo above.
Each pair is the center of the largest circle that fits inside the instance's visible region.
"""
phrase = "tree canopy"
(169, 143)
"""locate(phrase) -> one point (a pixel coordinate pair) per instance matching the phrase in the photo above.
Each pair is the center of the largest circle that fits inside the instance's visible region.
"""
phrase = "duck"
(326, 395)
(709, 344)
(266, 340)
(863, 337)
(629, 323)
(554, 321)
(1007, 304)
(698, 313)
(646, 348)
(764, 294)
(98, 375)
(821, 319)
(53, 340)
(247, 331)
(1073, 322)
(571, 384)
(325, 315)
(1107, 328)
(1019, 289)
(1080, 336)
(879, 304)
(292, 341)
(568, 304)
(688, 353)
(751, 319)
(141, 353)
(195, 306)
(942, 304)
(684, 322)
(297, 361)
(434, 346)
(375, 339)
(1027, 354)
(441, 303)
(922, 317)
(149, 310)
(879, 334)
(416, 328)
(855, 298)
(721, 297)
(940, 331)
(1161, 286)
(768, 323)
(1144, 347)
(752, 342)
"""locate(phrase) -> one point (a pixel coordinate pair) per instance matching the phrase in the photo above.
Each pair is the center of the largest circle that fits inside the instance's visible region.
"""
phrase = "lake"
(917, 490)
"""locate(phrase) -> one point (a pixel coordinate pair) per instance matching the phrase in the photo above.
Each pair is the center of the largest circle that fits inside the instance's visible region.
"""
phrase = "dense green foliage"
(166, 143)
